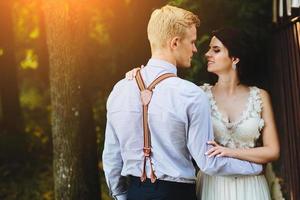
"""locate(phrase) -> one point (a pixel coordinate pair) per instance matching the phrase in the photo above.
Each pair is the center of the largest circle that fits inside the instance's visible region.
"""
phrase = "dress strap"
(256, 99)
(257, 106)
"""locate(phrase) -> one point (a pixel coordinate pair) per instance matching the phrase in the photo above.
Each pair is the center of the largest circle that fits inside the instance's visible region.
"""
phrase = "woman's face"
(218, 60)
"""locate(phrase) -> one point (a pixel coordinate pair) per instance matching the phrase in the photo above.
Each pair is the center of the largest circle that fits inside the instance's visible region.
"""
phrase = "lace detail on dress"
(243, 132)
(257, 107)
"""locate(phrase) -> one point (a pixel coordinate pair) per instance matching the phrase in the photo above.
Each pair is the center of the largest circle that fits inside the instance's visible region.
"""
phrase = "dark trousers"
(160, 190)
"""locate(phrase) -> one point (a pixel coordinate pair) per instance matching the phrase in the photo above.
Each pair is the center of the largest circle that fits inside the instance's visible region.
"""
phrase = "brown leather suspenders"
(146, 94)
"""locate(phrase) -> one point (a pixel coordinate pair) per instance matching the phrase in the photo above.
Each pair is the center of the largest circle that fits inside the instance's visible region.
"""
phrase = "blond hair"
(168, 22)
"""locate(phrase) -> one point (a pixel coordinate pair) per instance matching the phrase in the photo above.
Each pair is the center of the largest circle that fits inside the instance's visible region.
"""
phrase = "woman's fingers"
(216, 152)
(129, 75)
(132, 73)
(210, 151)
(213, 143)
(221, 154)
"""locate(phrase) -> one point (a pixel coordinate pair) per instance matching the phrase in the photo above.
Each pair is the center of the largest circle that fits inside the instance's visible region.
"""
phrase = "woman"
(241, 115)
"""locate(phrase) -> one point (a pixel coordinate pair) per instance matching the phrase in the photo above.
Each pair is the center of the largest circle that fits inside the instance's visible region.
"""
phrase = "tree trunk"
(9, 92)
(74, 138)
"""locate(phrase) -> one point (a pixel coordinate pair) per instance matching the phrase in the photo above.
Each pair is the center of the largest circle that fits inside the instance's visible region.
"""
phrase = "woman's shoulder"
(261, 92)
(265, 97)
(260, 95)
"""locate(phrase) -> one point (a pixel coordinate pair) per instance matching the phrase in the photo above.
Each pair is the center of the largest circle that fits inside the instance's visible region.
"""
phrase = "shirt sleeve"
(121, 197)
(200, 131)
(113, 163)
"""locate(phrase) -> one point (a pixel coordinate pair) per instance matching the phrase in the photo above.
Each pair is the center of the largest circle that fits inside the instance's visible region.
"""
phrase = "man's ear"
(235, 60)
(174, 42)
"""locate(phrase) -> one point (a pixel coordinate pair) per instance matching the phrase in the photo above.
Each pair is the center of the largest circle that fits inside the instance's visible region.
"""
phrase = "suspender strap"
(146, 94)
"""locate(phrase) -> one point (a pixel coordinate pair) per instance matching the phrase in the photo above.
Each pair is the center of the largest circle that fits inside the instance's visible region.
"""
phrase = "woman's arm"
(270, 149)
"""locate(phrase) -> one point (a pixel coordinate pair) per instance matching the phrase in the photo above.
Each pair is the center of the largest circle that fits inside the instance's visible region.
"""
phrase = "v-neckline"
(242, 115)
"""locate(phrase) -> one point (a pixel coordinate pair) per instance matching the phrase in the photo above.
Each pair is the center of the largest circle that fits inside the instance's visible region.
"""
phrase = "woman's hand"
(218, 150)
(132, 73)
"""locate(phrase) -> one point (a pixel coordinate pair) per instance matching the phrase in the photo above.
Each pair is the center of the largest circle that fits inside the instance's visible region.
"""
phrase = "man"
(178, 120)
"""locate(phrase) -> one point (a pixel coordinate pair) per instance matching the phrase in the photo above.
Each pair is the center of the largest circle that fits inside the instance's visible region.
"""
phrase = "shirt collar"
(165, 65)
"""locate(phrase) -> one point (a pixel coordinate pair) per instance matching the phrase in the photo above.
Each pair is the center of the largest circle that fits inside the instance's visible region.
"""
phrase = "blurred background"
(47, 46)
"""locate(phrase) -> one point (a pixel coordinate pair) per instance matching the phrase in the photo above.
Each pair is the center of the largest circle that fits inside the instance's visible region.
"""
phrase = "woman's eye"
(217, 50)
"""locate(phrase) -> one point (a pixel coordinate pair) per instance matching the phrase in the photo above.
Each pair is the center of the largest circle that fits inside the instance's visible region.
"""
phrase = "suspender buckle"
(147, 151)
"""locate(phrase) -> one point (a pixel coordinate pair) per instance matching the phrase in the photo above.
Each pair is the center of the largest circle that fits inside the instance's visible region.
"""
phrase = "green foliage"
(99, 111)
(98, 29)
(31, 98)
(34, 91)
(188, 4)
(26, 21)
(27, 33)
(31, 179)
(177, 2)
(34, 33)
(35, 104)
(30, 61)
(13, 147)
(118, 42)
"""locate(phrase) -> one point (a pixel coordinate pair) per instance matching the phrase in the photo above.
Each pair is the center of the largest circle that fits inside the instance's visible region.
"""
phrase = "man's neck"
(164, 56)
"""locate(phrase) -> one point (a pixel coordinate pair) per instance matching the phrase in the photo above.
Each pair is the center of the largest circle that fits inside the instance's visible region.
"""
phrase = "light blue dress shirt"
(180, 125)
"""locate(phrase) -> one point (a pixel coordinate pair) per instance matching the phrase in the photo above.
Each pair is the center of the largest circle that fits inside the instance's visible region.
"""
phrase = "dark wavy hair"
(238, 46)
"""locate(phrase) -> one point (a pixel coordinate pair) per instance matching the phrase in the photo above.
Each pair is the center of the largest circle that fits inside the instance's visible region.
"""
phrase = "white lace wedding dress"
(240, 134)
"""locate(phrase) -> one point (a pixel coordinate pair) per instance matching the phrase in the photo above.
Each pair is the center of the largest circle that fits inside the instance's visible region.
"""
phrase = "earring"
(233, 66)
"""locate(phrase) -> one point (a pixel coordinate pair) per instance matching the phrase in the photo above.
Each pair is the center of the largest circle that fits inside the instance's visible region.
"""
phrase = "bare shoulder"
(264, 95)
(265, 98)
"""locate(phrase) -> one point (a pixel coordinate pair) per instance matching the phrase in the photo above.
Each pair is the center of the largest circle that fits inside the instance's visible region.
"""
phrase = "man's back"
(171, 102)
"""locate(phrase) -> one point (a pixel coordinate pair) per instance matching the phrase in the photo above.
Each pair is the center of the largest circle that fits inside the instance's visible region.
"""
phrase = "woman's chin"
(210, 69)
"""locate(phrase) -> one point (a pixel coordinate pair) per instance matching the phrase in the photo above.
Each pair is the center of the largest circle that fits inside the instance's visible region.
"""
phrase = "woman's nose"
(207, 54)
(195, 49)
